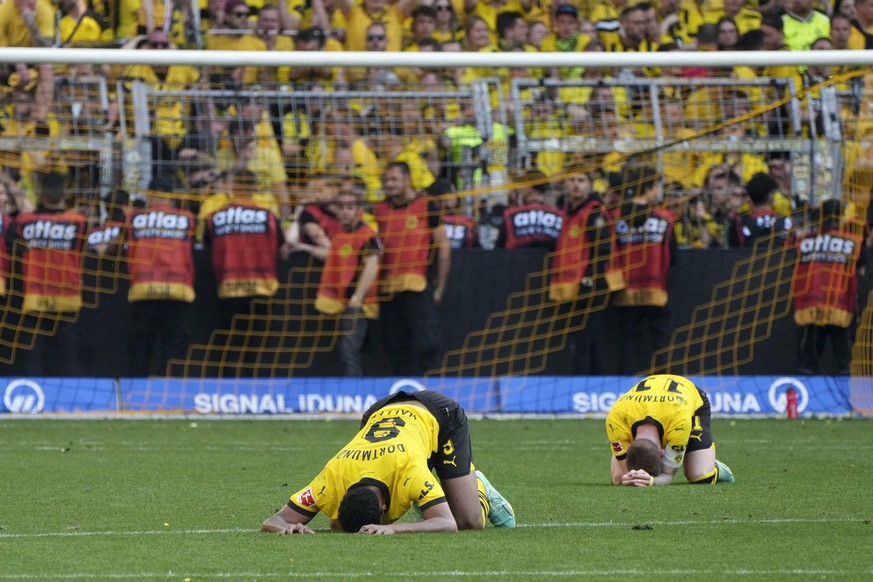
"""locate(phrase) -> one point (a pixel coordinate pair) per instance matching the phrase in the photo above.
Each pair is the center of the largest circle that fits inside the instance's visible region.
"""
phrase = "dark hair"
(707, 33)
(244, 178)
(760, 187)
(430, 42)
(402, 166)
(52, 187)
(359, 507)
(423, 10)
(751, 40)
(628, 10)
(646, 455)
(773, 21)
(506, 20)
(779, 155)
(310, 34)
(638, 181)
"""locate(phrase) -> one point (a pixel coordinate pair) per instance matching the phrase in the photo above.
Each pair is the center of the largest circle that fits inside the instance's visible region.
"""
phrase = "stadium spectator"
(360, 16)
(728, 34)
(23, 122)
(348, 279)
(318, 221)
(645, 250)
(171, 126)
(212, 18)
(13, 200)
(695, 227)
(533, 221)
(780, 168)
(269, 30)
(745, 164)
(803, 24)
(840, 31)
(511, 29)
(723, 194)
(423, 26)
(659, 425)
(566, 38)
(830, 258)
(325, 15)
(605, 14)
(246, 150)
(861, 35)
(446, 25)
(81, 25)
(477, 34)
(536, 32)
(30, 23)
(461, 229)
(679, 22)
(631, 36)
(360, 494)
(761, 222)
(48, 244)
(12, 203)
(745, 19)
(160, 262)
(374, 78)
(706, 40)
(413, 236)
(237, 36)
(583, 271)
(846, 7)
(547, 123)
(773, 28)
(653, 25)
(315, 40)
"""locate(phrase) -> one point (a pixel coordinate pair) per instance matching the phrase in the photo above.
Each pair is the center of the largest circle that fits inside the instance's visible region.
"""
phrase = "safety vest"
(160, 254)
(51, 262)
(825, 283)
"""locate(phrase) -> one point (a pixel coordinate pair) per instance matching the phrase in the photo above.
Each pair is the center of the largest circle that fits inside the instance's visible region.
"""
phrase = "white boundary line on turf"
(330, 416)
(443, 574)
(591, 524)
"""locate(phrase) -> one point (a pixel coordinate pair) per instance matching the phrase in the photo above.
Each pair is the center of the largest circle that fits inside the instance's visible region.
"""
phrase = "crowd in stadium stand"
(300, 160)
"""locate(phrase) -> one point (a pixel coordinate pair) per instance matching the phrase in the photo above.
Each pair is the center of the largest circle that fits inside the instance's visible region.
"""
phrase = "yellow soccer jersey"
(668, 401)
(392, 449)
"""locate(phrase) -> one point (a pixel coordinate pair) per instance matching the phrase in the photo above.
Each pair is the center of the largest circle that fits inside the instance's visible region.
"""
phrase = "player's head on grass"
(646, 455)
(360, 506)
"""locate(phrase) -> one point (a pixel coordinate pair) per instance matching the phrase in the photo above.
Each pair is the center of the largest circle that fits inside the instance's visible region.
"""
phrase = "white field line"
(581, 524)
(648, 573)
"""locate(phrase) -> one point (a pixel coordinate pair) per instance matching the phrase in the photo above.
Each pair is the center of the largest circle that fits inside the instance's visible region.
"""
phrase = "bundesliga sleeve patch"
(617, 448)
(306, 499)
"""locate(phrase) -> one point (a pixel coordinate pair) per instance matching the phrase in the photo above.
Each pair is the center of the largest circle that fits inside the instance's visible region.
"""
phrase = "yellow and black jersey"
(670, 402)
(391, 451)
(613, 43)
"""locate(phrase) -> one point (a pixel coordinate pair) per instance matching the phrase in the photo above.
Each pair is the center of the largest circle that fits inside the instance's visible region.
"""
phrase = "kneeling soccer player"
(373, 480)
(659, 423)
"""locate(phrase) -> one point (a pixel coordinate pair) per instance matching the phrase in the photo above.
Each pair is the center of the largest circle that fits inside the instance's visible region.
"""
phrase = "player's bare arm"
(639, 477)
(287, 521)
(437, 518)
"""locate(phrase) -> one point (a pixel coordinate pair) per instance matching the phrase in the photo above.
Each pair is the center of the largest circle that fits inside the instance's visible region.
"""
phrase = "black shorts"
(454, 455)
(701, 426)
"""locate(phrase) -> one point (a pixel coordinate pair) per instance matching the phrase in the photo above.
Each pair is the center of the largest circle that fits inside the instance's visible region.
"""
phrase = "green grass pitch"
(183, 500)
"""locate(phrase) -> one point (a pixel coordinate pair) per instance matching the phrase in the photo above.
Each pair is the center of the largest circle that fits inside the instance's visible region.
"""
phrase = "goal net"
(480, 142)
